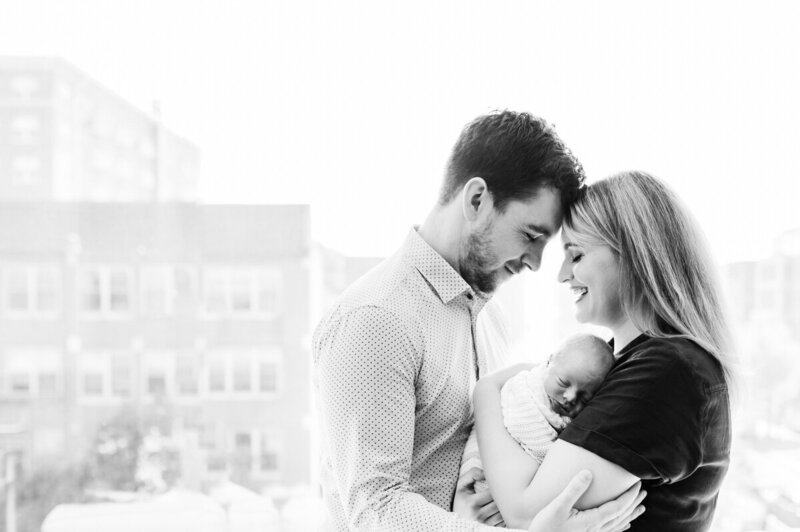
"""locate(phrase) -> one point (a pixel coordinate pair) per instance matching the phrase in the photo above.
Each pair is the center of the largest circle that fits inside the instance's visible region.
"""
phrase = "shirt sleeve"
(646, 418)
(366, 381)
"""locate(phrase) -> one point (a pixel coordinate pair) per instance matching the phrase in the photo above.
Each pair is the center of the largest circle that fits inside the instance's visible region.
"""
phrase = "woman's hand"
(613, 516)
(476, 506)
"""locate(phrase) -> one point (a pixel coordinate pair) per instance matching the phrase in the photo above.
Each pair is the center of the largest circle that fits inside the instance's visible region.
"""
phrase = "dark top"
(663, 415)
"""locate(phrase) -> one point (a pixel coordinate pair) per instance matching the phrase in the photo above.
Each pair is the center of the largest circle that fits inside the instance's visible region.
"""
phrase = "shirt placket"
(473, 320)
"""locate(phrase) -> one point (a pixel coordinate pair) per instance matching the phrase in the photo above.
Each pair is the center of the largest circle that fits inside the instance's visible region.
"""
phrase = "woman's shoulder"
(680, 355)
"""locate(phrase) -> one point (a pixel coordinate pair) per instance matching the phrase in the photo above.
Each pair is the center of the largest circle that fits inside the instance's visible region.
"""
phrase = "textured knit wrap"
(527, 414)
(527, 417)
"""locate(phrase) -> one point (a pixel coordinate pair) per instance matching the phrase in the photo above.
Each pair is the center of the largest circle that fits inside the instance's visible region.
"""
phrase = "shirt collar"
(443, 278)
(627, 349)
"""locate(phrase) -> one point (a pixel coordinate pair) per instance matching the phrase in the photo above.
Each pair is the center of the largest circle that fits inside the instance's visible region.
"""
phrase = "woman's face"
(592, 273)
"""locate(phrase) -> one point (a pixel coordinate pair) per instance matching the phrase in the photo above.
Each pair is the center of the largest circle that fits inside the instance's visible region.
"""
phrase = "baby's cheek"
(551, 387)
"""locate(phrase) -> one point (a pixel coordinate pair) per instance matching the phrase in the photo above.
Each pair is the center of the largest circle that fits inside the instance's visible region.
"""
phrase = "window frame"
(33, 288)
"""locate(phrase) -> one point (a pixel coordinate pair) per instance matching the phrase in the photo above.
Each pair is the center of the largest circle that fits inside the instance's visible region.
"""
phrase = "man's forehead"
(540, 214)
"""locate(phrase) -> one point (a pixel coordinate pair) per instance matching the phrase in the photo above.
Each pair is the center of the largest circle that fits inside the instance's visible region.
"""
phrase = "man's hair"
(517, 154)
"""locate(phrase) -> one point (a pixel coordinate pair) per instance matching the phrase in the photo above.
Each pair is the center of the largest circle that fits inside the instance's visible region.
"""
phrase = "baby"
(538, 403)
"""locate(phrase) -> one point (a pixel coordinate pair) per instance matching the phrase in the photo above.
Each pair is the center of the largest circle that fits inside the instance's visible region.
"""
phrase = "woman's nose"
(564, 273)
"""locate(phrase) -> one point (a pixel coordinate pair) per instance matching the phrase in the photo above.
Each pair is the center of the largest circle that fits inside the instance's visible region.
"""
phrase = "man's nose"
(532, 260)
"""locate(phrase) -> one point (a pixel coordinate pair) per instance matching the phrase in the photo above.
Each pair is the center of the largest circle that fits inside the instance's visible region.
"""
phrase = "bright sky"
(353, 106)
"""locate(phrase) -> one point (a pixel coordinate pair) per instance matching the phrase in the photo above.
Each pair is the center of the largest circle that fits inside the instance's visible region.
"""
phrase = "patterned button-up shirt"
(395, 364)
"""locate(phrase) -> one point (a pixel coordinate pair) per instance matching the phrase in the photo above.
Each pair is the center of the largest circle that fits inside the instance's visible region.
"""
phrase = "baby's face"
(571, 379)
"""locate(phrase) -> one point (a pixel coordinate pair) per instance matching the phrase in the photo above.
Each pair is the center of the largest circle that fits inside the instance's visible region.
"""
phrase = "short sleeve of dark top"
(662, 414)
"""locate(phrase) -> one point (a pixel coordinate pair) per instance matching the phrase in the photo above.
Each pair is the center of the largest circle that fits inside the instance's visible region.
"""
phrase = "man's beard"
(477, 260)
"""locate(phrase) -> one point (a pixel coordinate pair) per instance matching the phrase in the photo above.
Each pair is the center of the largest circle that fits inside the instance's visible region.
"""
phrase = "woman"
(636, 265)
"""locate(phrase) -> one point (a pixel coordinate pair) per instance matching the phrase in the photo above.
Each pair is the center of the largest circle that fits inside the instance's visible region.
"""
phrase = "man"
(396, 358)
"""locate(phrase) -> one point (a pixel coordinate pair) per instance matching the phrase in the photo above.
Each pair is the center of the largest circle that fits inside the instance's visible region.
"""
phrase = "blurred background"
(185, 186)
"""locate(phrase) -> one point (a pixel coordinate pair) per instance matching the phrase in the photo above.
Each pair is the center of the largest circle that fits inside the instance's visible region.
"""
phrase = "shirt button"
(469, 296)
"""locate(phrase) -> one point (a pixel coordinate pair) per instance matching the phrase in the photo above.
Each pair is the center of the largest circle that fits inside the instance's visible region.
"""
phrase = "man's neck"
(443, 233)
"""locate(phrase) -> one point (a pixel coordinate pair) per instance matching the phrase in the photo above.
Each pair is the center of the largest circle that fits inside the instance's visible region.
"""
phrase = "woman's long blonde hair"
(667, 279)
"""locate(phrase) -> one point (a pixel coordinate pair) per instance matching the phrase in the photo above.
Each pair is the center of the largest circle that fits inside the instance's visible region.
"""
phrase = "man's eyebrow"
(544, 231)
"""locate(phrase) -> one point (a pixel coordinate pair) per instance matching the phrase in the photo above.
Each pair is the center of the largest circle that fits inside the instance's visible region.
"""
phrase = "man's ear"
(476, 199)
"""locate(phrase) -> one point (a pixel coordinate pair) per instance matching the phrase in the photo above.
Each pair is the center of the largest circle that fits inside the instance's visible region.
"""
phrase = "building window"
(243, 441)
(92, 375)
(17, 291)
(216, 462)
(106, 291)
(269, 453)
(267, 376)
(19, 381)
(241, 292)
(121, 375)
(32, 373)
(119, 291)
(217, 369)
(25, 129)
(244, 373)
(105, 375)
(31, 291)
(242, 459)
(153, 291)
(215, 296)
(255, 452)
(93, 385)
(167, 290)
(157, 371)
(187, 374)
(208, 437)
(26, 170)
(48, 383)
(24, 86)
(47, 286)
(156, 384)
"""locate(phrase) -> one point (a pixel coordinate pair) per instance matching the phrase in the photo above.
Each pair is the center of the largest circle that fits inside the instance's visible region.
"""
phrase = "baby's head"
(574, 372)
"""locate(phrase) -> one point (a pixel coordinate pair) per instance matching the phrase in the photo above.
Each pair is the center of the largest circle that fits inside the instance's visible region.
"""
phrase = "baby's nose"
(575, 409)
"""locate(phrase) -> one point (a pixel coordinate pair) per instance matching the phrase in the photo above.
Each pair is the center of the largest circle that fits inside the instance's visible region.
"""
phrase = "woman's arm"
(564, 460)
(507, 467)
(519, 486)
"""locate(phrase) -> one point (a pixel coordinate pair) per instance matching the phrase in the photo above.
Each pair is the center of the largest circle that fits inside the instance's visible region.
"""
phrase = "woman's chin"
(581, 317)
